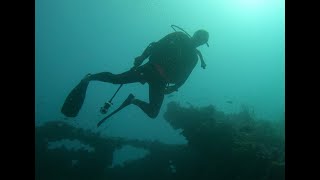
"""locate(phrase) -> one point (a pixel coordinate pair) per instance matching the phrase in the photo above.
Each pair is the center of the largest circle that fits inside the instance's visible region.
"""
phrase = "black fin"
(75, 99)
(123, 105)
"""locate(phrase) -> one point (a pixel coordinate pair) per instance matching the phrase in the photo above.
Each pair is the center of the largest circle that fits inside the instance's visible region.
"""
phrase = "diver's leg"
(130, 76)
(75, 99)
(156, 97)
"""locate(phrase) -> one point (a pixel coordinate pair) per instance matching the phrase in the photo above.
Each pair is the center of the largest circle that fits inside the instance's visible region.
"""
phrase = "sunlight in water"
(251, 9)
(251, 3)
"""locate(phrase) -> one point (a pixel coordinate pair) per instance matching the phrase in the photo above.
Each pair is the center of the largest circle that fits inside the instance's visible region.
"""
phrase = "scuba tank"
(203, 64)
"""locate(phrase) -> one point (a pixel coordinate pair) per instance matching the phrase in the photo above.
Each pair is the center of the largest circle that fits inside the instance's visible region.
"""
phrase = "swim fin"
(123, 105)
(75, 99)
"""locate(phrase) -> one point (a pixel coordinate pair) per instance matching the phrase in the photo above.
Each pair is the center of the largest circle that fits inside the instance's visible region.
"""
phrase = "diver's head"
(200, 37)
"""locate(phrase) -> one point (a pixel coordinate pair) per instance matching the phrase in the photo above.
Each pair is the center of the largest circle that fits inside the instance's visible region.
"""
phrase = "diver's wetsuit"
(171, 60)
(143, 74)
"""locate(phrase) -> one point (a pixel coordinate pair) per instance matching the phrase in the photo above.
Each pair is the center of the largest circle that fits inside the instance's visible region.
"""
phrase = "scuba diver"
(171, 61)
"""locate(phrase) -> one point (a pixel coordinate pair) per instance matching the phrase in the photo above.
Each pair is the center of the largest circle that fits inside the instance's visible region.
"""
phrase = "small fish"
(230, 102)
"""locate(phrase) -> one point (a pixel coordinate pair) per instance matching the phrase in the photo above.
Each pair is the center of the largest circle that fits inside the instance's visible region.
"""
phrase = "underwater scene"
(160, 89)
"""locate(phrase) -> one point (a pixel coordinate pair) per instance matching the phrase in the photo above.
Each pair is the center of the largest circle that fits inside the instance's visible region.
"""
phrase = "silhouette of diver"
(171, 61)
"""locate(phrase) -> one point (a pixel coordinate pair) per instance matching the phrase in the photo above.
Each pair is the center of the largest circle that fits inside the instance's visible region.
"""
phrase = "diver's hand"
(138, 61)
(170, 89)
(203, 65)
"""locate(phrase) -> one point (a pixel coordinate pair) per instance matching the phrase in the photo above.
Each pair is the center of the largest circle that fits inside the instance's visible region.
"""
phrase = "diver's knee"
(153, 114)
(87, 78)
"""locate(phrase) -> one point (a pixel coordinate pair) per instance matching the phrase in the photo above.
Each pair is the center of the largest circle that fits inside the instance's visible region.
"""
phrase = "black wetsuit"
(171, 60)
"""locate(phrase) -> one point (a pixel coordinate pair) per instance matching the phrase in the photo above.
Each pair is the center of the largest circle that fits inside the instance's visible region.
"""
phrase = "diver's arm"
(203, 64)
(177, 85)
(170, 37)
(146, 53)
(171, 89)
